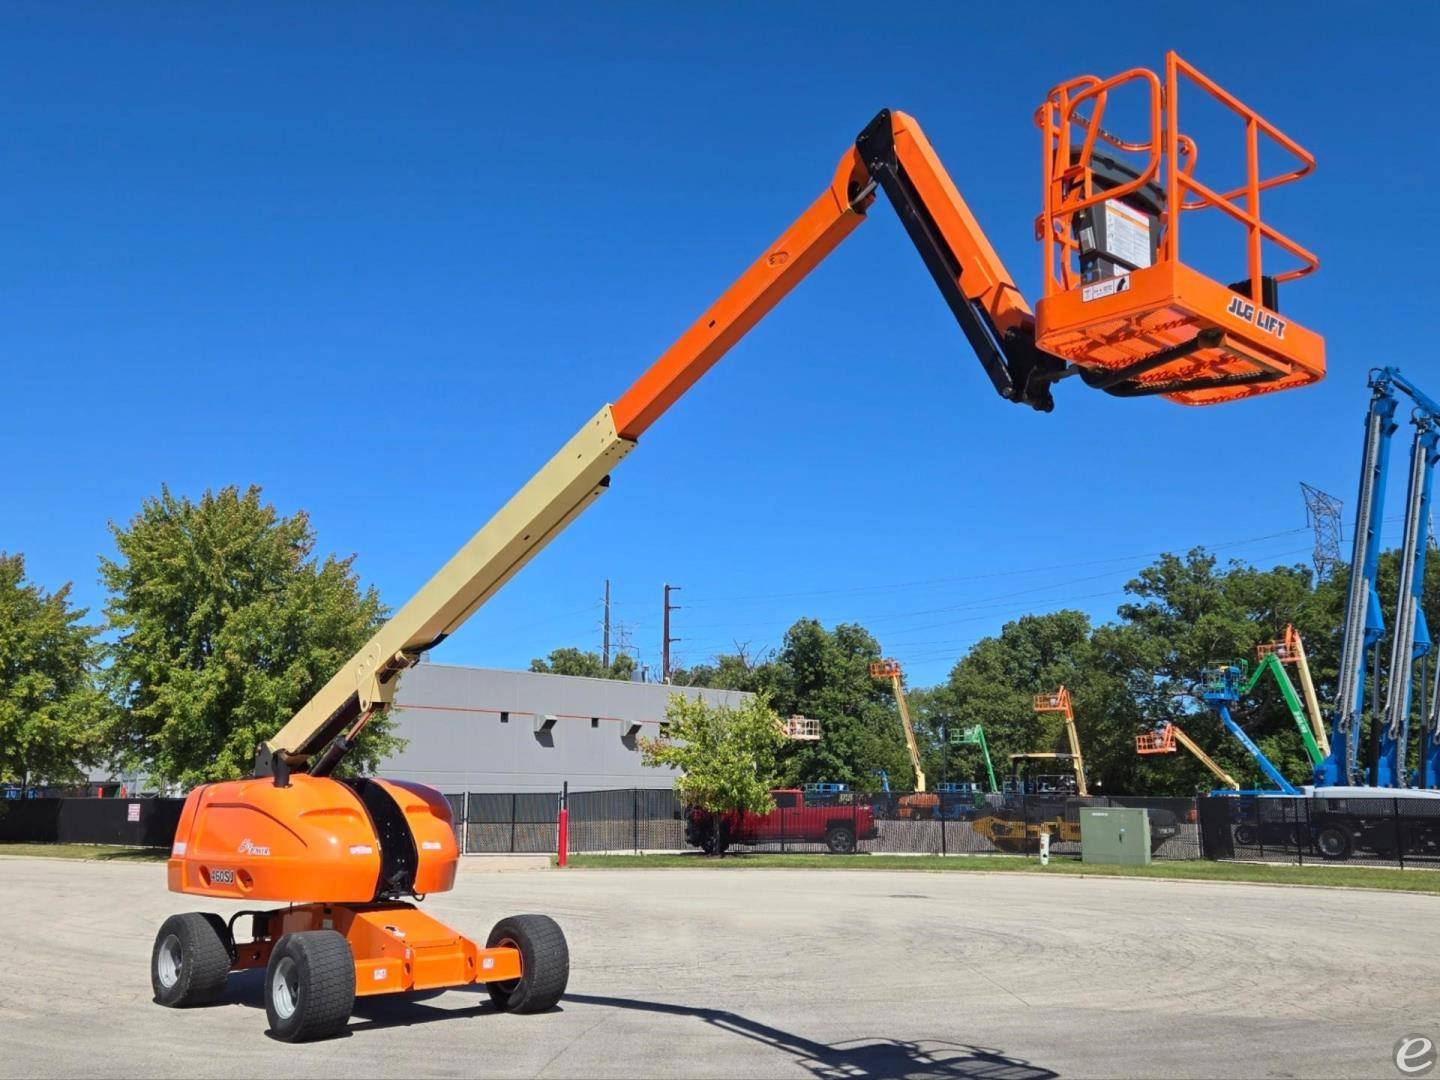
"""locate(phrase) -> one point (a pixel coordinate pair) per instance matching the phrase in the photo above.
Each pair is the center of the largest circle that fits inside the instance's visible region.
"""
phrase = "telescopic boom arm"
(1271, 663)
(892, 154)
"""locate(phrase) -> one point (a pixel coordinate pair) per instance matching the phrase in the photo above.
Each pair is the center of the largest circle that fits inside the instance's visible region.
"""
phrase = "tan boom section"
(571, 481)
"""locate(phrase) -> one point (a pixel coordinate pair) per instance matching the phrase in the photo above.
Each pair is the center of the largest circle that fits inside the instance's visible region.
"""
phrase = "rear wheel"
(309, 986)
(190, 960)
(840, 839)
(544, 963)
(1245, 835)
(1334, 843)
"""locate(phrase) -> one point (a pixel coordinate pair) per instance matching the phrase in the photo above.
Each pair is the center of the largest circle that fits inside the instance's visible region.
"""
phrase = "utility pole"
(605, 654)
(668, 640)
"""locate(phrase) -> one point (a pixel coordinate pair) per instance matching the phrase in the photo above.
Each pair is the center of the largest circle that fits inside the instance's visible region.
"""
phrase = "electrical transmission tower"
(1322, 513)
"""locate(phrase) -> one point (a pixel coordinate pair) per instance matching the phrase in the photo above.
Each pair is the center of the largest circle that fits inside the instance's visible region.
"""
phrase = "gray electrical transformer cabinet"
(1114, 836)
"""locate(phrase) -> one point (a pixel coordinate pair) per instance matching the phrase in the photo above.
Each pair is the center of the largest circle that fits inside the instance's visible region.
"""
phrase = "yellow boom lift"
(890, 670)
(922, 803)
(1291, 650)
(1059, 702)
(1162, 741)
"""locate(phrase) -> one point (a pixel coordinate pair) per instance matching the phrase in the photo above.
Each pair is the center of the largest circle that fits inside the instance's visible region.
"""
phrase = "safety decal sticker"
(1105, 288)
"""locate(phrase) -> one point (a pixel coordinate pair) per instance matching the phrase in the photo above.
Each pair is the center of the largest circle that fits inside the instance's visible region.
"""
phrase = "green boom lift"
(975, 736)
(1271, 660)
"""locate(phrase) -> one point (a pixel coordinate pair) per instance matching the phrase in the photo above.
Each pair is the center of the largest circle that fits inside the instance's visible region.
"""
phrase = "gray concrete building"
(480, 729)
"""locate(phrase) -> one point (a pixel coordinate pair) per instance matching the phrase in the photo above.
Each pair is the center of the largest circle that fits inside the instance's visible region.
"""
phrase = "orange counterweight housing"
(1118, 301)
(316, 839)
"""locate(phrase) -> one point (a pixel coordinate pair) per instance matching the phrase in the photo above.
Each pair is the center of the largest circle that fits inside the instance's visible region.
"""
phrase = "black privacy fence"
(132, 822)
(638, 819)
(1376, 831)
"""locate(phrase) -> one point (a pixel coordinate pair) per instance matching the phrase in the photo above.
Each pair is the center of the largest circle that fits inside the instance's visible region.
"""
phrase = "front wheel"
(544, 963)
(840, 840)
(309, 986)
(190, 960)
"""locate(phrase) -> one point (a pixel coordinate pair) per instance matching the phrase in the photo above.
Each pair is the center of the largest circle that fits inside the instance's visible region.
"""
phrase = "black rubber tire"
(709, 845)
(840, 839)
(1245, 835)
(544, 963)
(324, 985)
(200, 943)
(1333, 843)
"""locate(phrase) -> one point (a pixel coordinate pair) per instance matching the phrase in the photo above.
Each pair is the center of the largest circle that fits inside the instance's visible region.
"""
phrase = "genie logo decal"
(1264, 320)
(248, 847)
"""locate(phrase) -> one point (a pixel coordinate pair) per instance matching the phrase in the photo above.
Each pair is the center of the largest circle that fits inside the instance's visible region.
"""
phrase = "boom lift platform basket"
(1159, 741)
(801, 729)
(1117, 299)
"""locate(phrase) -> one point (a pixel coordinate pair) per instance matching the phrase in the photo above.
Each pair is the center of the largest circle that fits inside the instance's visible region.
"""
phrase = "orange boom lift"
(330, 866)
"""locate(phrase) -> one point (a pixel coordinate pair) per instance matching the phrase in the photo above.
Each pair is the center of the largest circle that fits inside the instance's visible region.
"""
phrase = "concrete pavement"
(758, 973)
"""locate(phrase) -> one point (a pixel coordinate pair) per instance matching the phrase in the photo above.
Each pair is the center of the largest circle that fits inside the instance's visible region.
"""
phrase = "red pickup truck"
(838, 827)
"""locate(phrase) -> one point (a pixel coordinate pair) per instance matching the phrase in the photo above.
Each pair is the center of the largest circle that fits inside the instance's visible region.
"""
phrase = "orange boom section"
(1118, 301)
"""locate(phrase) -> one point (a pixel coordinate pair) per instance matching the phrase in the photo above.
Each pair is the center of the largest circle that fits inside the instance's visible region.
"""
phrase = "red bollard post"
(564, 830)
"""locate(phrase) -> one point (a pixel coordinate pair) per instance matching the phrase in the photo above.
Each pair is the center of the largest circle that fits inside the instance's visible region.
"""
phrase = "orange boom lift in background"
(335, 863)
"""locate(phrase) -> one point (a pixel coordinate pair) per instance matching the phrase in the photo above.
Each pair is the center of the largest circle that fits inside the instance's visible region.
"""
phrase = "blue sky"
(384, 259)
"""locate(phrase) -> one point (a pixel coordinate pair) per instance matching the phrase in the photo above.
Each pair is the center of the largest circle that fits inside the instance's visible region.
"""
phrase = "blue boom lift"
(1364, 621)
(1222, 687)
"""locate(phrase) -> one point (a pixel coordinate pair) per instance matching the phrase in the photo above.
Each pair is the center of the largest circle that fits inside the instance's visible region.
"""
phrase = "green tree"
(227, 625)
(728, 756)
(572, 661)
(1189, 613)
(825, 675)
(728, 671)
(995, 684)
(51, 710)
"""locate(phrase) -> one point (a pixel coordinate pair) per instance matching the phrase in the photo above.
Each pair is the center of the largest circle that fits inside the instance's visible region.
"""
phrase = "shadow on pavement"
(370, 1013)
(856, 1058)
(853, 1059)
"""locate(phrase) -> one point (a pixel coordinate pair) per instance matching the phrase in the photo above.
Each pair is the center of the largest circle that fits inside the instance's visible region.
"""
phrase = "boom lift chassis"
(1128, 319)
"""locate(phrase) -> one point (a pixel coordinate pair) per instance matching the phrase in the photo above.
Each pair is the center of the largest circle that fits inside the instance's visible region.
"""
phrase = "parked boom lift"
(1270, 662)
(975, 736)
(1410, 641)
(1290, 649)
(921, 803)
(890, 671)
(1119, 312)
(1059, 702)
(1162, 741)
(1220, 688)
(1364, 621)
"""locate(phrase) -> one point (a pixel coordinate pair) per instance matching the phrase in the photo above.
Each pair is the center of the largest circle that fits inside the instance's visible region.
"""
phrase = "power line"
(882, 587)
(989, 603)
(979, 602)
